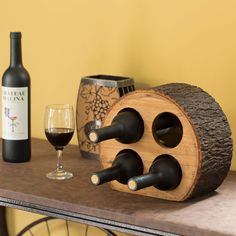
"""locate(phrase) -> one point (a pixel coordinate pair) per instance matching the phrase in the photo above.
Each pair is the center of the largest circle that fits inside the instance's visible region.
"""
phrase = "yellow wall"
(57, 227)
(153, 41)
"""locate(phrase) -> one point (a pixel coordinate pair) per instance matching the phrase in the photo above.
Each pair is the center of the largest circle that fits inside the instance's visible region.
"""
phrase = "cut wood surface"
(204, 152)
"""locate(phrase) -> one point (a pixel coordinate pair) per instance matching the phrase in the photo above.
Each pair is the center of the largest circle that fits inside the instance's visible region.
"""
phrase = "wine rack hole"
(168, 171)
(126, 165)
(129, 109)
(136, 130)
(167, 130)
(132, 162)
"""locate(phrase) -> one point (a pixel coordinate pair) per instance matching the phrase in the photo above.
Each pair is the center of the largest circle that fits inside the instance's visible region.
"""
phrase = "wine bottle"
(126, 165)
(16, 146)
(164, 174)
(126, 127)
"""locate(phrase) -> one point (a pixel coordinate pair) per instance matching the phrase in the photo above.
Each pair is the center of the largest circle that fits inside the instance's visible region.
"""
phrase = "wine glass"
(59, 128)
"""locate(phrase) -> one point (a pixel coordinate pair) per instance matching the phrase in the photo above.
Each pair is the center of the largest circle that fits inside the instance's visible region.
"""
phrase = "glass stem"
(59, 158)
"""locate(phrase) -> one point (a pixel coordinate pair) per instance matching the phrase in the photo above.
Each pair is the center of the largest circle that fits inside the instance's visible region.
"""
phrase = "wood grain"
(204, 152)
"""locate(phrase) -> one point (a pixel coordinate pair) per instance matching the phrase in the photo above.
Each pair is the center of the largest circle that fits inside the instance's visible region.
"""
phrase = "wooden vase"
(95, 96)
(202, 144)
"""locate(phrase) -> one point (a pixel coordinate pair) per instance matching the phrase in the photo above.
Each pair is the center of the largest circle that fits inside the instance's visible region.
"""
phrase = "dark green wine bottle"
(16, 145)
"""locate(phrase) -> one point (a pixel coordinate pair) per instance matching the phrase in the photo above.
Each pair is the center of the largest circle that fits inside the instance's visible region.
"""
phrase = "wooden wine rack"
(204, 151)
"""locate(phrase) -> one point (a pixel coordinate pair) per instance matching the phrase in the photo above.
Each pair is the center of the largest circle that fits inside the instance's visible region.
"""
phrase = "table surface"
(24, 186)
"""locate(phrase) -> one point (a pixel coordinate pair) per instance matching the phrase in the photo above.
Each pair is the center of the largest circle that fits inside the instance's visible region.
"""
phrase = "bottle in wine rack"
(164, 174)
(126, 165)
(127, 127)
(16, 145)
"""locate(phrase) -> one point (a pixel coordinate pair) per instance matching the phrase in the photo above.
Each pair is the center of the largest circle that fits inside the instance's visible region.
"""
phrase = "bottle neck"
(106, 175)
(105, 133)
(16, 55)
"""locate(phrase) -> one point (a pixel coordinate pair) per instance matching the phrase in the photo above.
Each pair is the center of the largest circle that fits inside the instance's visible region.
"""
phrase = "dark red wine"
(59, 137)
(16, 145)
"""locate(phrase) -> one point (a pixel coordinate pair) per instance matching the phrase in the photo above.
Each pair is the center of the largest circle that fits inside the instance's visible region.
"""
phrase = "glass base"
(59, 175)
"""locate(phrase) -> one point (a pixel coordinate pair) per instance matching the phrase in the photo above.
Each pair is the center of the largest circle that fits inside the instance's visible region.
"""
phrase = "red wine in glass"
(59, 137)
(59, 129)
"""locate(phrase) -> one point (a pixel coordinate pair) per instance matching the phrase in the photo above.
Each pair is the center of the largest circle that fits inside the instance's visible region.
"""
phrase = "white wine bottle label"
(15, 113)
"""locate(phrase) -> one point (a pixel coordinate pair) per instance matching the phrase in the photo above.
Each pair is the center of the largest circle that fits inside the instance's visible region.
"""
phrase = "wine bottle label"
(15, 113)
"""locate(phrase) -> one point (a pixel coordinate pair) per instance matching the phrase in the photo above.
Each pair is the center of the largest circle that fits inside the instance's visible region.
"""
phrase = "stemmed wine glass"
(59, 128)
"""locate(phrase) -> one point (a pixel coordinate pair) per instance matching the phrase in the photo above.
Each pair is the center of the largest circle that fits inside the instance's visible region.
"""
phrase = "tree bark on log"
(212, 131)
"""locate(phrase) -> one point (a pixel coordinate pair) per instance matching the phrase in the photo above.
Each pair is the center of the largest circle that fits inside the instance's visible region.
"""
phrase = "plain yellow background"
(152, 41)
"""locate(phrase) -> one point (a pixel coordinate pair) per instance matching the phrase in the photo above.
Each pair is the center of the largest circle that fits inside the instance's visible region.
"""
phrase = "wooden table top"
(24, 186)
